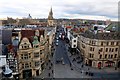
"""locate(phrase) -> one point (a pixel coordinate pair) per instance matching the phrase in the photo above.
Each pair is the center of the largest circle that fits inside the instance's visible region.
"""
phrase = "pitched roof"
(28, 34)
(112, 27)
(102, 36)
(31, 33)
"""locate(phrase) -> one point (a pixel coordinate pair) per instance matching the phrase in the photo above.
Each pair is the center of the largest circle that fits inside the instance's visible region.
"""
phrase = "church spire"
(50, 16)
(51, 13)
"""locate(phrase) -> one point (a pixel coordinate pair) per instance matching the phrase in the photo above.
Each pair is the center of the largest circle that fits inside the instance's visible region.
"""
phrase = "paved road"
(98, 73)
(60, 51)
(64, 71)
(60, 70)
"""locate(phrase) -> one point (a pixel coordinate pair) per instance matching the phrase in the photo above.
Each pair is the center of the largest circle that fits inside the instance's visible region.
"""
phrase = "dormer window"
(36, 46)
(25, 46)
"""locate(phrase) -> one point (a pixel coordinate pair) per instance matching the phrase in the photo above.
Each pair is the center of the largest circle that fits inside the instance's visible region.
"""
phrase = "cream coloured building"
(32, 53)
(101, 49)
(1, 23)
(50, 38)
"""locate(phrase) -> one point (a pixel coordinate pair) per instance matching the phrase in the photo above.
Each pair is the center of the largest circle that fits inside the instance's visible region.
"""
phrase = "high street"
(62, 64)
(65, 67)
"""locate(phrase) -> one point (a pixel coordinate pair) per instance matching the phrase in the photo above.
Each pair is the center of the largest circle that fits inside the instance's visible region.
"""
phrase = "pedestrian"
(73, 59)
(49, 74)
(89, 73)
(49, 68)
(71, 68)
(81, 71)
(92, 74)
(70, 64)
(49, 60)
(46, 63)
(82, 65)
(52, 71)
(51, 64)
(115, 68)
(88, 68)
(86, 73)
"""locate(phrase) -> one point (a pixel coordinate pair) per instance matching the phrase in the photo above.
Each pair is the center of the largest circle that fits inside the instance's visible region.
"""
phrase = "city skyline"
(100, 10)
(59, 43)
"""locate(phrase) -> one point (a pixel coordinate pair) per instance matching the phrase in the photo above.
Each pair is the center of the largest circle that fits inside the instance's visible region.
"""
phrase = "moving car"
(60, 33)
(63, 62)
(56, 43)
(60, 36)
(57, 38)
(58, 61)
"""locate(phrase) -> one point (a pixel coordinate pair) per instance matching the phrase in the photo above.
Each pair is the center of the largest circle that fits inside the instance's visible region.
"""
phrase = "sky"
(80, 9)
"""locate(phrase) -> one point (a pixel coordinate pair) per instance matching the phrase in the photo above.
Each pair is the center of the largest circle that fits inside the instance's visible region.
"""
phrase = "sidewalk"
(74, 66)
(48, 72)
(107, 70)
(99, 72)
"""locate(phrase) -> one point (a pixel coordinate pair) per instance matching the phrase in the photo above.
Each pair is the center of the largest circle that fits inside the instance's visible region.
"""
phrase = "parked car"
(60, 33)
(57, 40)
(56, 43)
(60, 36)
(63, 62)
(58, 61)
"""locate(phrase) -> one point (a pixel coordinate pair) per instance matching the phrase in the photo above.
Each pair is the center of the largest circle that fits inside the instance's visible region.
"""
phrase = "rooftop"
(102, 36)
(112, 27)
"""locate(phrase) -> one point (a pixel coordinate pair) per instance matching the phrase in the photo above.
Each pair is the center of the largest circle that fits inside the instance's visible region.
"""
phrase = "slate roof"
(30, 34)
(102, 36)
(113, 27)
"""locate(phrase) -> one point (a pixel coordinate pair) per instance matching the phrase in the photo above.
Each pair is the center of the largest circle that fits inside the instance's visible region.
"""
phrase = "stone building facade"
(31, 53)
(101, 49)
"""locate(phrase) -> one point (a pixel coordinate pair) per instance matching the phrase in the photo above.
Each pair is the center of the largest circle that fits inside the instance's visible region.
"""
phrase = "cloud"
(61, 8)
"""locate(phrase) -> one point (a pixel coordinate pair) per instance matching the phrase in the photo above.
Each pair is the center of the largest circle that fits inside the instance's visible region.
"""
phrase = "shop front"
(118, 64)
(90, 63)
(27, 73)
(99, 65)
(109, 64)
